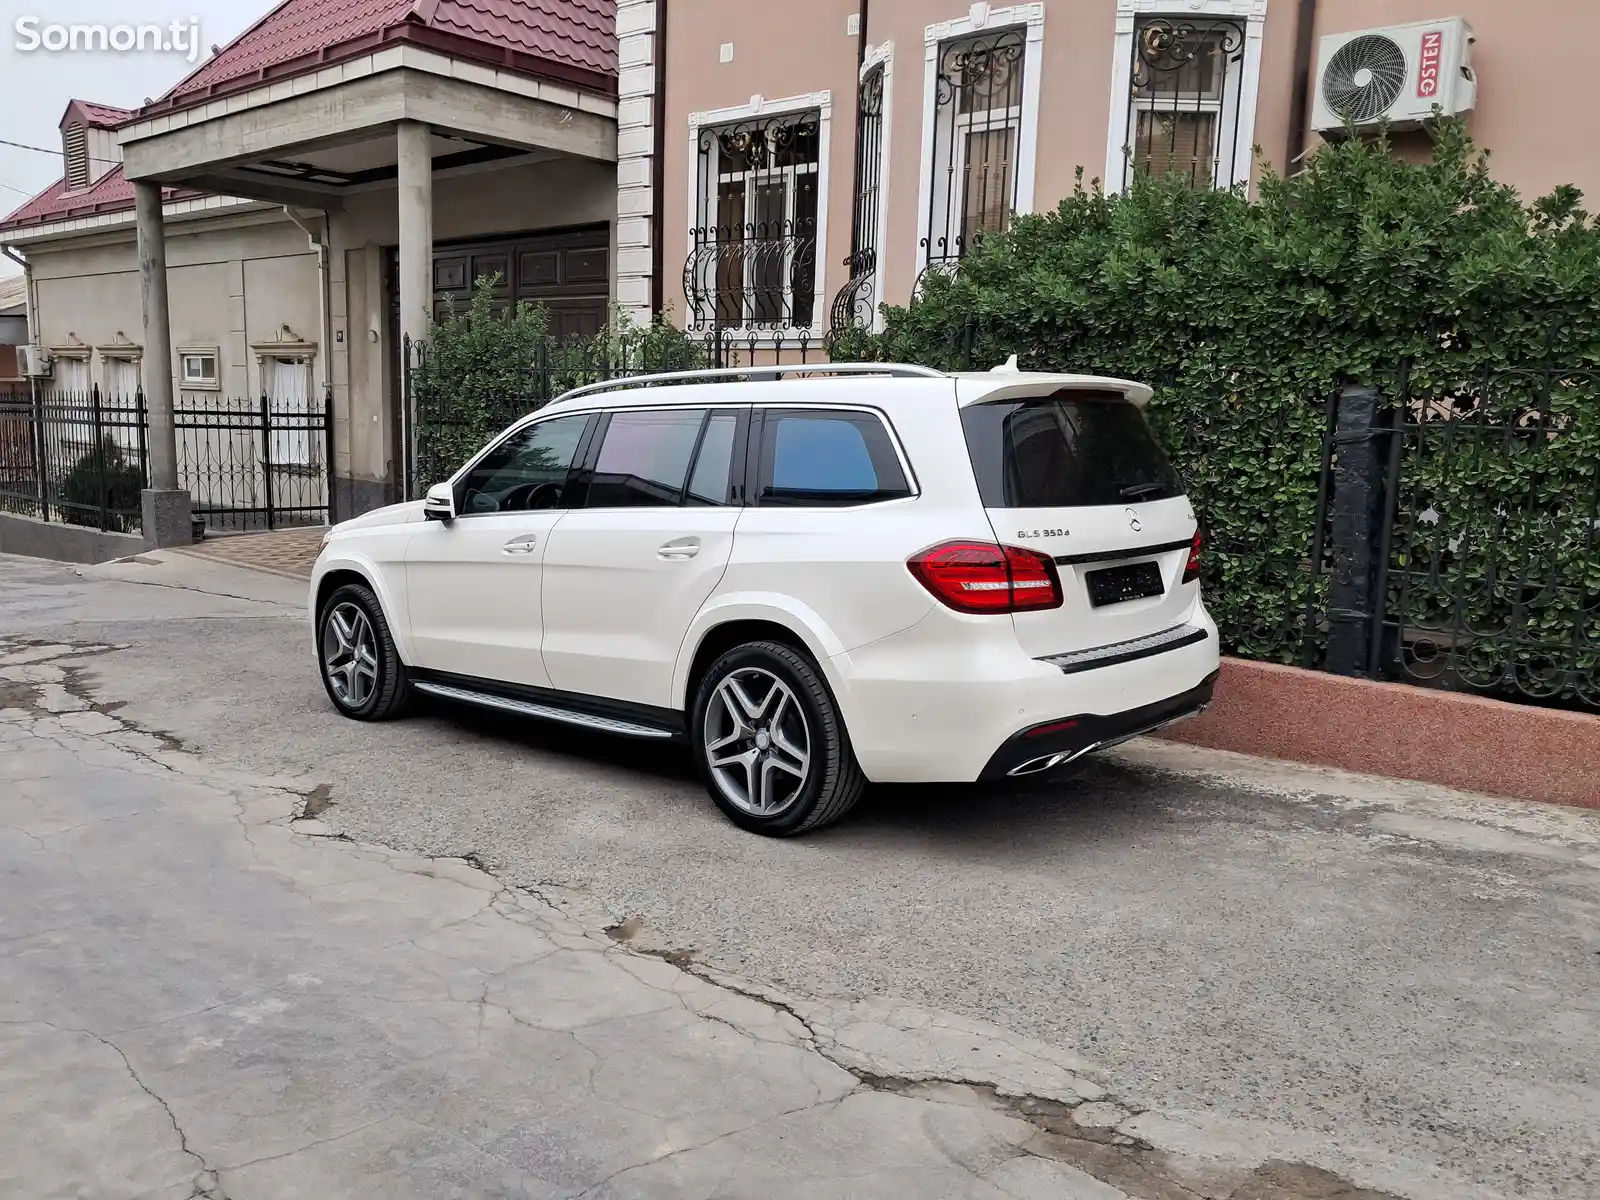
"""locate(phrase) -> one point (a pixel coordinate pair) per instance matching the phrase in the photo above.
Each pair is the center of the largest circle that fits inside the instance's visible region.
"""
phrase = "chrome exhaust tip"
(1036, 766)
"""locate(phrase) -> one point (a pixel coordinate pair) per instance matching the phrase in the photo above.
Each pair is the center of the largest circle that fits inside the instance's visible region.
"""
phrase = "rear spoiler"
(1011, 384)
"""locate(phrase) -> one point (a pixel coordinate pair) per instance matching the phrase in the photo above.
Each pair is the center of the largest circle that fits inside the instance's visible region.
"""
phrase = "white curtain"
(288, 385)
(71, 378)
(120, 399)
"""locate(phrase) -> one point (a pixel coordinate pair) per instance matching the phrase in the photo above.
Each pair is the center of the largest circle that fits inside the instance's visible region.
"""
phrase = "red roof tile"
(569, 39)
(110, 193)
(100, 116)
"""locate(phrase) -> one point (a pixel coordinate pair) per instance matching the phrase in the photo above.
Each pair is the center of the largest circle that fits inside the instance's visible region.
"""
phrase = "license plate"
(1117, 585)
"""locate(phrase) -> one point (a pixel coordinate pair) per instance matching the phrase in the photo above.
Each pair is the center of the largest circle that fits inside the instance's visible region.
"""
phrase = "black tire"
(390, 692)
(834, 782)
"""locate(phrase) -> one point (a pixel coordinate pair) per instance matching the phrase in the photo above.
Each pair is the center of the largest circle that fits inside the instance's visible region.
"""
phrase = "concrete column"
(166, 507)
(415, 255)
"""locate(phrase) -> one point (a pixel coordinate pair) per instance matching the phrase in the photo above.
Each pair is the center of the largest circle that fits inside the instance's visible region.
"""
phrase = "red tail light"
(1191, 572)
(981, 577)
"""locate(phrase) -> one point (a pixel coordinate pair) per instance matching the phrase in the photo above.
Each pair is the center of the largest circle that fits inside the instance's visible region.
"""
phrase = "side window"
(528, 470)
(812, 459)
(710, 481)
(644, 458)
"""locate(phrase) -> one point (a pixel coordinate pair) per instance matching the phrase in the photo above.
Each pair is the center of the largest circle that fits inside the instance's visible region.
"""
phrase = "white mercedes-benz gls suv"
(814, 577)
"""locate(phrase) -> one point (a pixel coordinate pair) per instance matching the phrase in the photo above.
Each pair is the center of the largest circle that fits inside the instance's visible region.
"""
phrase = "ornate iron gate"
(255, 465)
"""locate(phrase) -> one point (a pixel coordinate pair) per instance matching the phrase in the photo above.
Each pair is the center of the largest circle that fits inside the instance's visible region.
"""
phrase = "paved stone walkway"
(288, 552)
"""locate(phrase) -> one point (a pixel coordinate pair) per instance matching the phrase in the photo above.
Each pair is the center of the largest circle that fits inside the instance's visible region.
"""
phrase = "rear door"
(1078, 475)
(647, 541)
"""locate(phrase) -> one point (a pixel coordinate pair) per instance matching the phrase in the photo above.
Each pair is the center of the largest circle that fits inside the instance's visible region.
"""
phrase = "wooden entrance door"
(568, 272)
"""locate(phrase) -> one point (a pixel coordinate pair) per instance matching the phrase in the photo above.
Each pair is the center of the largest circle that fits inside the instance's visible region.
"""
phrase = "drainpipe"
(1300, 104)
(319, 242)
(30, 298)
(861, 36)
(658, 166)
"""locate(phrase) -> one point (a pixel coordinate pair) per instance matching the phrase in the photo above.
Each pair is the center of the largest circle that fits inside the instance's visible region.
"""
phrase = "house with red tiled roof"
(319, 190)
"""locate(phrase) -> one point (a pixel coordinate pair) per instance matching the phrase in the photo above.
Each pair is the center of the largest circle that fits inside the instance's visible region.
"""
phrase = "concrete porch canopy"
(322, 99)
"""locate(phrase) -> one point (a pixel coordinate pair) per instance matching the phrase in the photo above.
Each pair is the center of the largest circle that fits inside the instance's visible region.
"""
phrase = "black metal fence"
(75, 457)
(83, 457)
(254, 465)
(1489, 575)
(1444, 533)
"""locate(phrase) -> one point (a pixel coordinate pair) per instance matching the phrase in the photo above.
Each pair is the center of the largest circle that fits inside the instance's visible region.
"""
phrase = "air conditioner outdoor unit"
(1396, 74)
(34, 362)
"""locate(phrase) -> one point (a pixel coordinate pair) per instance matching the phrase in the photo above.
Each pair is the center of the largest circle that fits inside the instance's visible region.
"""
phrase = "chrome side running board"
(543, 712)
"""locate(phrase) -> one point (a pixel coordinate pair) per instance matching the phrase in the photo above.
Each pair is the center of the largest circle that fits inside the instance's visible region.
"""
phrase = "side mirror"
(440, 504)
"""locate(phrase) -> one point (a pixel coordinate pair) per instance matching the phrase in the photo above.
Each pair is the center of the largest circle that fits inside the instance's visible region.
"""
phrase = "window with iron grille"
(1184, 108)
(857, 302)
(977, 135)
(753, 257)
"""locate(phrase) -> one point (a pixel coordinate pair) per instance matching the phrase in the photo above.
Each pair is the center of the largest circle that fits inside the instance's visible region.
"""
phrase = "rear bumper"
(1057, 743)
(946, 701)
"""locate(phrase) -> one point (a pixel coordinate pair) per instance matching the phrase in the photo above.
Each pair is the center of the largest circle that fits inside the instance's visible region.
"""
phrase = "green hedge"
(489, 365)
(1247, 315)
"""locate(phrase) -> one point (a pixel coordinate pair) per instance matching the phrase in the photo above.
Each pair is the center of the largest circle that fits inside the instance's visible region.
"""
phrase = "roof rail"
(894, 370)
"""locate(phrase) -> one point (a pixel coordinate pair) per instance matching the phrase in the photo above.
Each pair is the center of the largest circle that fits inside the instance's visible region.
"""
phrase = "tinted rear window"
(1075, 449)
(822, 458)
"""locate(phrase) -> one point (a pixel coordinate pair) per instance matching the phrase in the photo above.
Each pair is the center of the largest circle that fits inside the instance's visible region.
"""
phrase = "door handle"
(680, 550)
(521, 545)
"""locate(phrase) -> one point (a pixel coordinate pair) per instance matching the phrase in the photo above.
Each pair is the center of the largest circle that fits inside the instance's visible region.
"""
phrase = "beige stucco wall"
(231, 281)
(1536, 115)
(237, 280)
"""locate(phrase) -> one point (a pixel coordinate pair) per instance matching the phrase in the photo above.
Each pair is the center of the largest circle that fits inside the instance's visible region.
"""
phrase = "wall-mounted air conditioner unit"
(1396, 74)
(33, 362)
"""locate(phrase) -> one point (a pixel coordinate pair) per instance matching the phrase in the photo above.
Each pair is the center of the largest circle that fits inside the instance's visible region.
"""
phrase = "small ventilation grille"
(1364, 78)
(76, 141)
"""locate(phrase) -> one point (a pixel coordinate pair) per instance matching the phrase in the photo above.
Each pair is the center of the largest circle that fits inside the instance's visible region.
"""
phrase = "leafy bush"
(490, 365)
(103, 476)
(1246, 316)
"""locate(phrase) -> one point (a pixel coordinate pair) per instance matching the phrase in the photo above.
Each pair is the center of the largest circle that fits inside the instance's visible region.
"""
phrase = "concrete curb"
(1401, 731)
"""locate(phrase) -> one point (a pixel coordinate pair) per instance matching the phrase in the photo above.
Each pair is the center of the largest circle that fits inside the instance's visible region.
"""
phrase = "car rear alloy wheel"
(757, 743)
(350, 655)
(770, 742)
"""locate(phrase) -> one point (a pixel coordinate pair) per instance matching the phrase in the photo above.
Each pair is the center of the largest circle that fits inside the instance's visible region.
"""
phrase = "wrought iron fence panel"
(1493, 578)
(73, 456)
(253, 464)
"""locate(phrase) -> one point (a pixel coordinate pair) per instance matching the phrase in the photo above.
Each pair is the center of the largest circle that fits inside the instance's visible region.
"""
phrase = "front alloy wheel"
(349, 655)
(360, 666)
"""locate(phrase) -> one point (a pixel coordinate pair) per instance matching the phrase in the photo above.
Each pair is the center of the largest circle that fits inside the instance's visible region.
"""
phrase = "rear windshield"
(1075, 449)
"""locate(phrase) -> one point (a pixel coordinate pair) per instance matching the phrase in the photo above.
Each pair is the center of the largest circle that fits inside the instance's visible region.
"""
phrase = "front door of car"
(644, 547)
(473, 582)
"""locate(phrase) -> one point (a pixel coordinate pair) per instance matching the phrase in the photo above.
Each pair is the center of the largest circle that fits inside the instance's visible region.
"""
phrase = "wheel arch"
(720, 629)
(335, 574)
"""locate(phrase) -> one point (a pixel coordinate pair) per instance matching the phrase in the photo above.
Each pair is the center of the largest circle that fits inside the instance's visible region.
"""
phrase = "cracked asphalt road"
(1173, 975)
